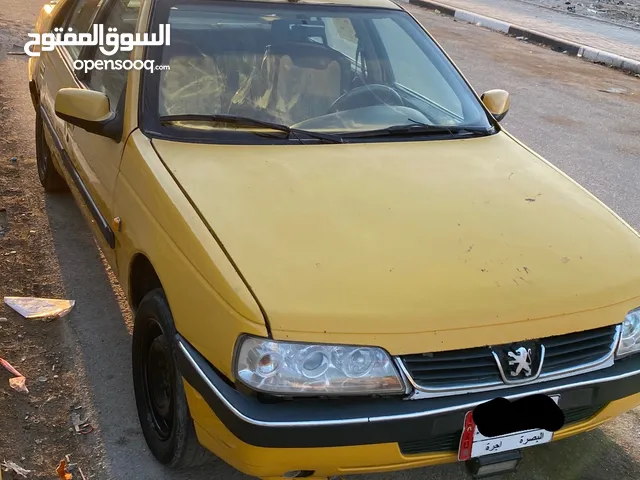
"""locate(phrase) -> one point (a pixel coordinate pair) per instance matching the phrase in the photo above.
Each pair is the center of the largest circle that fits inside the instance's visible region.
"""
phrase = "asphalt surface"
(557, 109)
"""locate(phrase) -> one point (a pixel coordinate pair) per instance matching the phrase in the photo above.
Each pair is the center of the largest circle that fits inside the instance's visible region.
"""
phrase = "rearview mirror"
(87, 109)
(497, 102)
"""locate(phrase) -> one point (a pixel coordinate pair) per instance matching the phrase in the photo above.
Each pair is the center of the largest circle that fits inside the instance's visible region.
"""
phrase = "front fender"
(209, 301)
(45, 17)
(47, 13)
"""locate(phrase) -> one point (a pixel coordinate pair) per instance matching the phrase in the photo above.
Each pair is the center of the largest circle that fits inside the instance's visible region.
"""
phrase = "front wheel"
(49, 177)
(160, 397)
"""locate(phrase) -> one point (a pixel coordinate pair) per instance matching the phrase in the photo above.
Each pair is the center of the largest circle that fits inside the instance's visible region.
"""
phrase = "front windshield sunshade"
(315, 68)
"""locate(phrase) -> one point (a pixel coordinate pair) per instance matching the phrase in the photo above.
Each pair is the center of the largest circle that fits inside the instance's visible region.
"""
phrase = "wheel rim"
(158, 381)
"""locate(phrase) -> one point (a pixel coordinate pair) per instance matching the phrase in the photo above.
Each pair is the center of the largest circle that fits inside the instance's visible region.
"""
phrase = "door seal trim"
(102, 222)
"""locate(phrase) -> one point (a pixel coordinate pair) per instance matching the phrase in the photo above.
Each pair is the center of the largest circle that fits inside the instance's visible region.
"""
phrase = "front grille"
(566, 351)
(450, 442)
(442, 443)
(443, 369)
(477, 366)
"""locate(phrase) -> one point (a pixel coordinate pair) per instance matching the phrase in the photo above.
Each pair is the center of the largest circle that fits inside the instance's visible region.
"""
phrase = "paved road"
(582, 30)
(557, 109)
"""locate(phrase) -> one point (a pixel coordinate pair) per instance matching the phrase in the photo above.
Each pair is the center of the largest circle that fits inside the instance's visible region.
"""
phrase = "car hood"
(418, 241)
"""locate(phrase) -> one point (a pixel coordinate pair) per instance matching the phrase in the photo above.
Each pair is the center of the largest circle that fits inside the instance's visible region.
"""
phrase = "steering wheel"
(366, 96)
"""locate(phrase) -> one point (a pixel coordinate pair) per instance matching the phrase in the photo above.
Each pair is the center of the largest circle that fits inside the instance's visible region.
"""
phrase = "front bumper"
(428, 428)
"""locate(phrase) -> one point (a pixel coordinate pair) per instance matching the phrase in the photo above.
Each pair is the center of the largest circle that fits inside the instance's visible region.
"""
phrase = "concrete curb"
(558, 44)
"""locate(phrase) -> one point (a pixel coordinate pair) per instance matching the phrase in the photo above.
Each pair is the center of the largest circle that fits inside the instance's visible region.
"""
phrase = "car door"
(95, 158)
(55, 70)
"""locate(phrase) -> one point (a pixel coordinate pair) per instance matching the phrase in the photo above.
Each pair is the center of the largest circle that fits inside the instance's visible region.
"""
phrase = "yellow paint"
(411, 246)
(83, 104)
(199, 280)
(497, 102)
(271, 462)
(417, 246)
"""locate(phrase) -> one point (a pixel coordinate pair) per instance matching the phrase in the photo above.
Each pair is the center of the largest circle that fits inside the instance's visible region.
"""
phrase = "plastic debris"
(613, 90)
(17, 469)
(45, 308)
(83, 427)
(66, 468)
(62, 471)
(19, 382)
(4, 224)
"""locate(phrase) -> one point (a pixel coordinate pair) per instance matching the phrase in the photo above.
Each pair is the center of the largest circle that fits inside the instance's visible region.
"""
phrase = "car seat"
(194, 84)
(294, 82)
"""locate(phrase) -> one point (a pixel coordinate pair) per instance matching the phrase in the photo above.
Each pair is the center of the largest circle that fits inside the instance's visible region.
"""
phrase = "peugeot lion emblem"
(520, 360)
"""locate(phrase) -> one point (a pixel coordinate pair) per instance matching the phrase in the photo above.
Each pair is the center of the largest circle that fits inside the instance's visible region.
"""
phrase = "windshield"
(315, 68)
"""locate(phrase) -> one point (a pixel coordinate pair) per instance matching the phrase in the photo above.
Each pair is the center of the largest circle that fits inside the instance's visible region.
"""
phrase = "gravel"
(621, 12)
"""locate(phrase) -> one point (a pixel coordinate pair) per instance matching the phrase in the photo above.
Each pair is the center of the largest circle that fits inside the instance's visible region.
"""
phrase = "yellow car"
(338, 260)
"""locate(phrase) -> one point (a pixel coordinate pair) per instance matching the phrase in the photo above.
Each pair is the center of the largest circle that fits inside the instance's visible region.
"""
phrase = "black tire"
(49, 177)
(162, 404)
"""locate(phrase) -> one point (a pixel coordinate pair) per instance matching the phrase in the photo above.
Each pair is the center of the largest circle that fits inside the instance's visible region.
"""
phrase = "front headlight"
(630, 334)
(288, 368)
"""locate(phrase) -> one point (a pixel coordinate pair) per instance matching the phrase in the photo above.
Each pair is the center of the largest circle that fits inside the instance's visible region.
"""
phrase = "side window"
(80, 19)
(123, 15)
(412, 67)
(341, 36)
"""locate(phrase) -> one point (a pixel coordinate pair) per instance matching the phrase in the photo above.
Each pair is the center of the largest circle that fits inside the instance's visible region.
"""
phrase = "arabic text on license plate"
(477, 445)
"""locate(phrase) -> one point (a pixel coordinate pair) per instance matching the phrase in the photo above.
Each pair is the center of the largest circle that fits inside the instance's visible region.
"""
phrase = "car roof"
(389, 4)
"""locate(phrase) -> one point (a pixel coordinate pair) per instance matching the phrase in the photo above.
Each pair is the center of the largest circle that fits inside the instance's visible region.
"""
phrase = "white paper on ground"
(32, 307)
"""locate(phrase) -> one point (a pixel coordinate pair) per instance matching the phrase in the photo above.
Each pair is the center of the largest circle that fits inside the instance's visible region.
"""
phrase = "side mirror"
(497, 102)
(87, 109)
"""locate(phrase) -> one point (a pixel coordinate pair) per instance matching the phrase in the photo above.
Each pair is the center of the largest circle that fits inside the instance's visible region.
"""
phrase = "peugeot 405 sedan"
(338, 259)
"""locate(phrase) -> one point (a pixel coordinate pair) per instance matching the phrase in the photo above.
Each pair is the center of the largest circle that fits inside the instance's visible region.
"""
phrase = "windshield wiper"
(250, 122)
(418, 128)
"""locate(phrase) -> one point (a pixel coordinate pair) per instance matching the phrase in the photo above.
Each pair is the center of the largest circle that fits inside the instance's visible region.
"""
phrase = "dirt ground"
(36, 430)
(622, 12)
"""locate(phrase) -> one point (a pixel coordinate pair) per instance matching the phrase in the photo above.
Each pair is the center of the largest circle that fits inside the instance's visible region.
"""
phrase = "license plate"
(473, 444)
